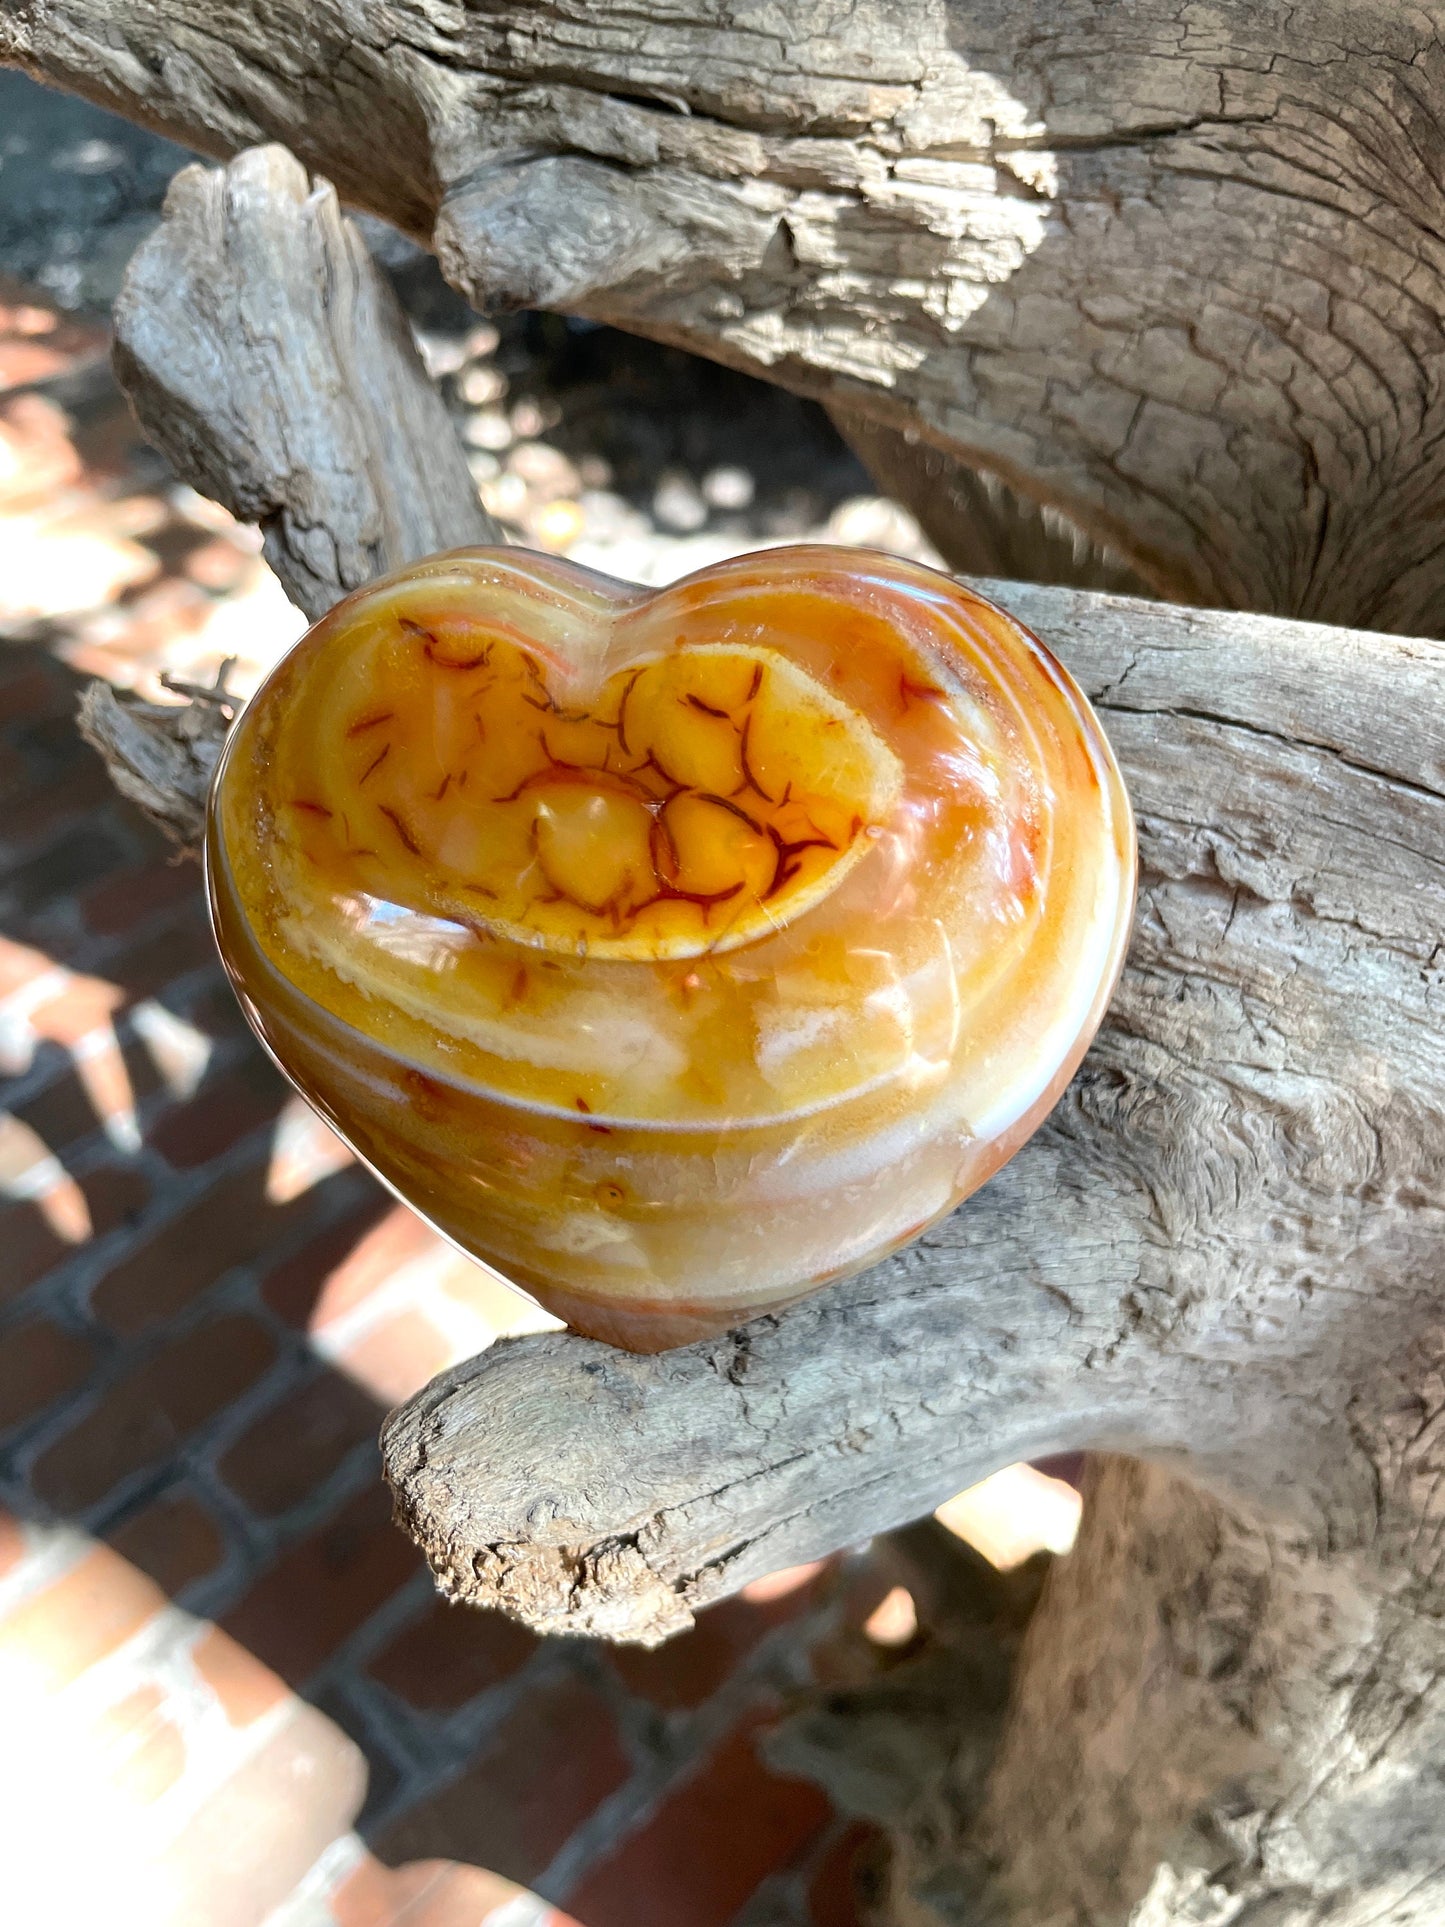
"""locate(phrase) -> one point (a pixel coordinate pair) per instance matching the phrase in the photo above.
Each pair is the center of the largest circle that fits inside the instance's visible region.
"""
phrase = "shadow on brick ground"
(166, 1310)
(204, 1307)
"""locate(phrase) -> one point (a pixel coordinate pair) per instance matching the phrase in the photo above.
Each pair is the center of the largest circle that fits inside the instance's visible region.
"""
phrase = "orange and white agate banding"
(678, 951)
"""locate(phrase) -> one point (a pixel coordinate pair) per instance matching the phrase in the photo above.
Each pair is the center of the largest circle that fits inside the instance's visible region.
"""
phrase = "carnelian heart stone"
(674, 951)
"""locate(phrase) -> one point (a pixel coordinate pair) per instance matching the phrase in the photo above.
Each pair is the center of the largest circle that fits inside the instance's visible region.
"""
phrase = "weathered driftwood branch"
(1225, 1252)
(1175, 268)
(977, 524)
(266, 355)
(160, 757)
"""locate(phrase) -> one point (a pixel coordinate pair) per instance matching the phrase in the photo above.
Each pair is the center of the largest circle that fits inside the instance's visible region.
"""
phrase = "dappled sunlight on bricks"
(397, 1305)
(114, 1197)
(778, 1585)
(28, 1170)
(205, 1307)
(82, 1603)
(436, 1893)
(36, 342)
(142, 576)
(223, 1110)
(398, 1354)
(894, 1620)
(198, 1372)
(1014, 1514)
(37, 456)
(68, 1109)
(222, 1227)
(152, 1771)
(304, 1150)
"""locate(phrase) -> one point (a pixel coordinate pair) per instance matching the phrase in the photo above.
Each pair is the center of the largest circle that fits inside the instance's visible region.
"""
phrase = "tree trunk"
(1174, 267)
(1225, 1252)
(1216, 1719)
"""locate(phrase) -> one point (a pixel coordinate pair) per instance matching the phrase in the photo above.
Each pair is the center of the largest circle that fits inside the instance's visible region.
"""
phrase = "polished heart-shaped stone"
(673, 951)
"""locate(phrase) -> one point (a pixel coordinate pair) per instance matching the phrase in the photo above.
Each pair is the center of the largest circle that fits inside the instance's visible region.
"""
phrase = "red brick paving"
(147, 1417)
(64, 1113)
(38, 1363)
(245, 1688)
(326, 1587)
(227, 1224)
(689, 1669)
(68, 1626)
(431, 1893)
(175, 1539)
(554, 1760)
(399, 1354)
(224, 1110)
(158, 1388)
(143, 1750)
(293, 1288)
(297, 1443)
(265, 1825)
(708, 1846)
(444, 1659)
(31, 1246)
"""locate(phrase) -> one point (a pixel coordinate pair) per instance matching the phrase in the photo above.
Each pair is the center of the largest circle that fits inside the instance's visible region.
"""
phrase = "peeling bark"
(1224, 1255)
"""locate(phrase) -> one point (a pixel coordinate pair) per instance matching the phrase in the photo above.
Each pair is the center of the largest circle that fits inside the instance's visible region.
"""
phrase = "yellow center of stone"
(692, 803)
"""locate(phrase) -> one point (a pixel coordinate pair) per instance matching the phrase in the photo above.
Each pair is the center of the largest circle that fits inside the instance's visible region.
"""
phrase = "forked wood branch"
(1225, 1251)
(1174, 267)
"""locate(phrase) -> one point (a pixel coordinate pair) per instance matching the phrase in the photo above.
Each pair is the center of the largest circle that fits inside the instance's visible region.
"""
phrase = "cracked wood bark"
(1175, 267)
(1223, 1254)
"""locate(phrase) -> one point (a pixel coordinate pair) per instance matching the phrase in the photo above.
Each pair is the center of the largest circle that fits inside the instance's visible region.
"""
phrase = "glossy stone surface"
(673, 951)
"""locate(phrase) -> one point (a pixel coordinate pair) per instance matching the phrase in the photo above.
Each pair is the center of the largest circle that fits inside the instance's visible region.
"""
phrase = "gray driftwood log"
(1224, 1256)
(1173, 266)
